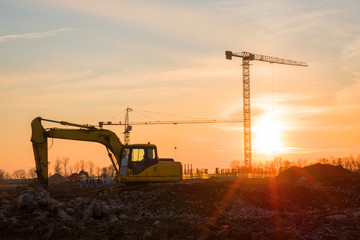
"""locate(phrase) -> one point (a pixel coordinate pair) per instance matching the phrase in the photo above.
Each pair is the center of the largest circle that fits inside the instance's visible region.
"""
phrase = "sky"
(87, 61)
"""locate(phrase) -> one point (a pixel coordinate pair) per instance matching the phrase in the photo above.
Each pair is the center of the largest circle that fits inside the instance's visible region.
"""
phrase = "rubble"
(202, 209)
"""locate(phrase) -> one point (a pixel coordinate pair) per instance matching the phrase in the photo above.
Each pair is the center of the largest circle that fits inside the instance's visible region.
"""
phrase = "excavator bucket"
(39, 142)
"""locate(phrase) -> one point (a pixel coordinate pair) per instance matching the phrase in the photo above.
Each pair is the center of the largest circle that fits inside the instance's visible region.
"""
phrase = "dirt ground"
(316, 202)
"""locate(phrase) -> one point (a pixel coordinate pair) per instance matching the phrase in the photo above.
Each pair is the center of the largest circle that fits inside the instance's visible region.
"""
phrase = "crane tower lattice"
(246, 58)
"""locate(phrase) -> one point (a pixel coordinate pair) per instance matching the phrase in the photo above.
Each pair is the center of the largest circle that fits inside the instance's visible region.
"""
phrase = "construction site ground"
(317, 202)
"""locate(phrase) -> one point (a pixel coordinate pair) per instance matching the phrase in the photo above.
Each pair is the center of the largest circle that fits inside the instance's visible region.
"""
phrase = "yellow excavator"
(132, 163)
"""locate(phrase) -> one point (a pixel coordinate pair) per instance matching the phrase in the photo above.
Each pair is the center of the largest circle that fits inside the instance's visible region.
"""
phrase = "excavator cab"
(140, 163)
(137, 158)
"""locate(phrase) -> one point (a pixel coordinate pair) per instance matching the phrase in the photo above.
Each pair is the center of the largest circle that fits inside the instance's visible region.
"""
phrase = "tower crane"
(246, 58)
(128, 125)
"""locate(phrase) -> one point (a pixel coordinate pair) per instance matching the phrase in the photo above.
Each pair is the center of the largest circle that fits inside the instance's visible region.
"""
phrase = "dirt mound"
(56, 178)
(326, 171)
(316, 173)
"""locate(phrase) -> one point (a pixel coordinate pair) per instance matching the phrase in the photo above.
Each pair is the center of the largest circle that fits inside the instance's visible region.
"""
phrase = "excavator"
(133, 163)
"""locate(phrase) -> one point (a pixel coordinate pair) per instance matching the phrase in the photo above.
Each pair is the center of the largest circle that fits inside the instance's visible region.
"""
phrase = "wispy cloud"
(34, 35)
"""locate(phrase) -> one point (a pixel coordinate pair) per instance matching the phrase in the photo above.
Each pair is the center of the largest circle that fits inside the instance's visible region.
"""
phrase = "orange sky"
(87, 61)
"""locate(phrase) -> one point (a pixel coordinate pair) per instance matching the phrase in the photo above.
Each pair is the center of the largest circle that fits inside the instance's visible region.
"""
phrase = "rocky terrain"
(316, 202)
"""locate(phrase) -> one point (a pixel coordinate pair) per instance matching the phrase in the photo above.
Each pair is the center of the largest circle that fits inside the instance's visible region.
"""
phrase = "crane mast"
(127, 127)
(246, 58)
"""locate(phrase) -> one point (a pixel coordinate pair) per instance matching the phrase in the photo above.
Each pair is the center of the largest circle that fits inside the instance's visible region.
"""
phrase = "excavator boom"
(39, 142)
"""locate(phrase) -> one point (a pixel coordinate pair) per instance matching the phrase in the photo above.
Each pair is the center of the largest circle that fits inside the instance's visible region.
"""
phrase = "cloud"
(349, 96)
(351, 49)
(34, 35)
(350, 56)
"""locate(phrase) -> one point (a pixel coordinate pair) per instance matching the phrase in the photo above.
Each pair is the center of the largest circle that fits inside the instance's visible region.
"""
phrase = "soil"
(317, 173)
(56, 178)
(316, 202)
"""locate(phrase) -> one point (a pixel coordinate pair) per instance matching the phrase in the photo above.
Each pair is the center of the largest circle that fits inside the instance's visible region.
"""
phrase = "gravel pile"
(56, 178)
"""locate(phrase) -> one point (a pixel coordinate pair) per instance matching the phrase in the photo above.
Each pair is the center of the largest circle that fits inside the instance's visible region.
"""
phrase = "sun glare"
(268, 134)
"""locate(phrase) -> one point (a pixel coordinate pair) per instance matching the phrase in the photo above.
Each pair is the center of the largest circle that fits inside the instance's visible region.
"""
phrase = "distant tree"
(98, 171)
(83, 165)
(57, 166)
(19, 174)
(357, 163)
(2, 174)
(324, 161)
(77, 167)
(7, 175)
(235, 164)
(299, 163)
(287, 164)
(65, 162)
(306, 162)
(91, 166)
(104, 172)
(339, 162)
(278, 162)
(332, 161)
(347, 163)
(352, 163)
(111, 170)
(31, 173)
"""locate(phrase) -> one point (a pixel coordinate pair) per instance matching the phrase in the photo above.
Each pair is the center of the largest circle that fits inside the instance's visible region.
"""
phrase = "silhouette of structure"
(128, 125)
(246, 58)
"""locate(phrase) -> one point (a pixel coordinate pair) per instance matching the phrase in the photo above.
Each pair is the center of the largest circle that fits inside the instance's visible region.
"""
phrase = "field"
(316, 202)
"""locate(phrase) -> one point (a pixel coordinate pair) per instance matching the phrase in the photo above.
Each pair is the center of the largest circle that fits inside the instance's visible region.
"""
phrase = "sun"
(268, 130)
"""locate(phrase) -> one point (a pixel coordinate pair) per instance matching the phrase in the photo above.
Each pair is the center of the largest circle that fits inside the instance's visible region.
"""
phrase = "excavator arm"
(85, 133)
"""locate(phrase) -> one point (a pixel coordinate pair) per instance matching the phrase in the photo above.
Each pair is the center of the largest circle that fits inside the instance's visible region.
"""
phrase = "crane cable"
(175, 140)
(146, 116)
(272, 106)
(117, 114)
(175, 132)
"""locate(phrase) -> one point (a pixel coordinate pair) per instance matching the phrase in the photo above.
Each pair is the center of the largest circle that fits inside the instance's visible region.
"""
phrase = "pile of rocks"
(200, 209)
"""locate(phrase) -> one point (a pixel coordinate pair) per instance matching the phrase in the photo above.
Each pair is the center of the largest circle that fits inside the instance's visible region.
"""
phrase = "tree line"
(278, 164)
(63, 167)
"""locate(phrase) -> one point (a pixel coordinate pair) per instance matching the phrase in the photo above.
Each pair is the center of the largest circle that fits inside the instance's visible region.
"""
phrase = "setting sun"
(268, 134)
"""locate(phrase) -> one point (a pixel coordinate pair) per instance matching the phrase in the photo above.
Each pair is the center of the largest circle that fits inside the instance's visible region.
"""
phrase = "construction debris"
(215, 208)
